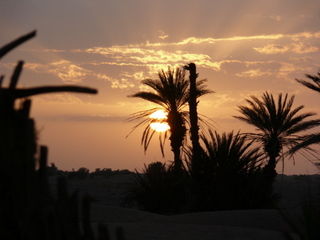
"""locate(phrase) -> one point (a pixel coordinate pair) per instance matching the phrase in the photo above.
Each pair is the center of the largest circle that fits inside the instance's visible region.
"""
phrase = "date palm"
(171, 93)
(278, 124)
(228, 174)
(315, 137)
(314, 85)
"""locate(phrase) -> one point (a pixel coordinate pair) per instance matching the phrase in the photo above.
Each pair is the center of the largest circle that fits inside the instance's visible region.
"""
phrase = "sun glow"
(159, 126)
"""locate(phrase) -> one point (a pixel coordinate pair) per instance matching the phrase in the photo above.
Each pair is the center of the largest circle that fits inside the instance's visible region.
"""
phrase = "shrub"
(82, 173)
(227, 175)
(157, 189)
(105, 172)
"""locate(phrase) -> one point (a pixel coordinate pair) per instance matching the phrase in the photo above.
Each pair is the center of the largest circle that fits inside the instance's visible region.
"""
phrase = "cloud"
(286, 48)
(253, 73)
(196, 40)
(123, 83)
(67, 71)
(142, 56)
(61, 98)
(89, 118)
(223, 99)
(140, 61)
(287, 68)
(54, 50)
(248, 68)
(256, 69)
(163, 35)
(71, 73)
(45, 50)
(157, 56)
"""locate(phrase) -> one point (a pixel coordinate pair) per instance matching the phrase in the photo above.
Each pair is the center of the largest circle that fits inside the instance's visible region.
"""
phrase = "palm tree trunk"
(269, 170)
(177, 160)
(194, 128)
(178, 132)
(273, 147)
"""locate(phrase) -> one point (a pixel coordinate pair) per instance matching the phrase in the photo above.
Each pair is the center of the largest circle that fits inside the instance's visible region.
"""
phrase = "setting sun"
(159, 126)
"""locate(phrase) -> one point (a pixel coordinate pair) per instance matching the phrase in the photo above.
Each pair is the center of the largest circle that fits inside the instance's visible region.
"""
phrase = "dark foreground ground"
(242, 224)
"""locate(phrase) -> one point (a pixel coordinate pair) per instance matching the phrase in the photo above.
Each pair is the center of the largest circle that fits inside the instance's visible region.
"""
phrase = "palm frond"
(230, 150)
(305, 142)
(313, 86)
(171, 92)
(151, 97)
(279, 125)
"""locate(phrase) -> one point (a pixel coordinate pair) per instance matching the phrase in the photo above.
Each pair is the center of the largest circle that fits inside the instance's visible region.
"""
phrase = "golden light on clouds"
(145, 55)
(122, 83)
(197, 40)
(68, 72)
(285, 48)
(254, 73)
(154, 56)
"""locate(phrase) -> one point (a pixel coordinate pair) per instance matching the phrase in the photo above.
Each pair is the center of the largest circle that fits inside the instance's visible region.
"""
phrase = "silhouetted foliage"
(227, 175)
(105, 172)
(27, 209)
(108, 172)
(81, 173)
(171, 93)
(278, 125)
(314, 85)
(52, 170)
(313, 138)
(158, 189)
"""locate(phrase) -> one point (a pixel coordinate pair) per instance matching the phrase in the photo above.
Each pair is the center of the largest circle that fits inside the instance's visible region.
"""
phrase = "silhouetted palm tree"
(228, 174)
(171, 93)
(278, 125)
(194, 128)
(315, 137)
(316, 82)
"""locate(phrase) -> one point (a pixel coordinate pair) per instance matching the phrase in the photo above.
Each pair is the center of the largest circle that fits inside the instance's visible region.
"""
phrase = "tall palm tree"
(171, 93)
(278, 125)
(193, 103)
(315, 137)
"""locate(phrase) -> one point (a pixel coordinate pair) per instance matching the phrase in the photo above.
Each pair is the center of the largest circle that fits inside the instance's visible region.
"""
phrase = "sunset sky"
(242, 48)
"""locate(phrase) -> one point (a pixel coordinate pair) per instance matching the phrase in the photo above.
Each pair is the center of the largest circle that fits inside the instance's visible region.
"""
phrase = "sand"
(240, 224)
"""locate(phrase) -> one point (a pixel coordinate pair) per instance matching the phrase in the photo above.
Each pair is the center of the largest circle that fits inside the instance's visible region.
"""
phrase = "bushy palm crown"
(171, 93)
(278, 124)
(231, 151)
(227, 175)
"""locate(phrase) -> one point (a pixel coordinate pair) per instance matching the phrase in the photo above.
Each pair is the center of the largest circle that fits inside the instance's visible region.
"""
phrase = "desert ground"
(240, 224)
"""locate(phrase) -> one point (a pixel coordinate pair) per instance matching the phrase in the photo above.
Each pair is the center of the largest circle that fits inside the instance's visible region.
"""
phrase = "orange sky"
(243, 48)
